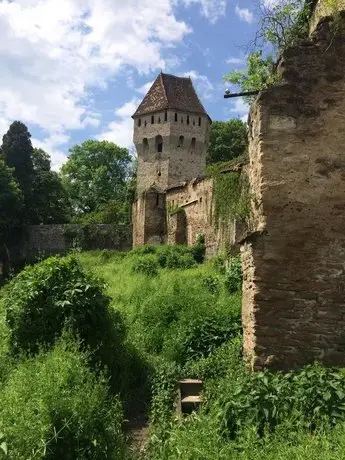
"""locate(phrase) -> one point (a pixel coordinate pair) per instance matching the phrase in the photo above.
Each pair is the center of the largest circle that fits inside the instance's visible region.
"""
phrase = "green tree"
(50, 204)
(281, 25)
(17, 152)
(228, 139)
(96, 174)
(11, 205)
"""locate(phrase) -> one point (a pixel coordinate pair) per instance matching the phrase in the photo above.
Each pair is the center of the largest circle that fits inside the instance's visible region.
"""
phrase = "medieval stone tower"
(171, 130)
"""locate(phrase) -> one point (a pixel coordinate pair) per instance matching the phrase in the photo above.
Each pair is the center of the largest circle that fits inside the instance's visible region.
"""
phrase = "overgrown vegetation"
(281, 25)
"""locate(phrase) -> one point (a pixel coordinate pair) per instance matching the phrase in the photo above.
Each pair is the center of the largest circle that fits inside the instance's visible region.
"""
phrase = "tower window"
(180, 142)
(193, 144)
(181, 119)
(145, 124)
(166, 116)
(157, 200)
(145, 145)
(175, 116)
(159, 144)
(187, 119)
(152, 119)
(199, 121)
(139, 121)
(193, 121)
(159, 119)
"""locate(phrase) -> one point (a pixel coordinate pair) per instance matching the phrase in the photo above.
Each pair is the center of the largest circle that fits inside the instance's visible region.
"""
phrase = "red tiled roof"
(170, 92)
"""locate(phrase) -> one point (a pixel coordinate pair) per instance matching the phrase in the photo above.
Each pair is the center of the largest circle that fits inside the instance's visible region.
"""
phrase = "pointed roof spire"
(171, 92)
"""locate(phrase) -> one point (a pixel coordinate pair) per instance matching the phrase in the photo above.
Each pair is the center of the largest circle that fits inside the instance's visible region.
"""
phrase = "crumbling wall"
(45, 240)
(323, 9)
(294, 259)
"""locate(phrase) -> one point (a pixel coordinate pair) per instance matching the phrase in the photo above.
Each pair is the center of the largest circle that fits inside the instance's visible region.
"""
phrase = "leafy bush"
(233, 276)
(212, 283)
(61, 411)
(199, 249)
(147, 265)
(313, 397)
(54, 295)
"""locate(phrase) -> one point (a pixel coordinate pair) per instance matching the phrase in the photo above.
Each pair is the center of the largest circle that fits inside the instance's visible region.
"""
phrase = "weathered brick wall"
(45, 240)
(294, 260)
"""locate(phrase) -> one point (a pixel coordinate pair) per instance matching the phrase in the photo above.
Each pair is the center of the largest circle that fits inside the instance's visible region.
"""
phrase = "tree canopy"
(281, 25)
(11, 200)
(96, 174)
(228, 139)
(50, 204)
(17, 152)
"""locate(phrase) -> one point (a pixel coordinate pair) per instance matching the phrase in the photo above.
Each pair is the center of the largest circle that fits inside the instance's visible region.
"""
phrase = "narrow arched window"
(199, 121)
(187, 119)
(193, 121)
(159, 144)
(175, 116)
(166, 116)
(180, 142)
(193, 144)
(152, 119)
(145, 145)
(139, 122)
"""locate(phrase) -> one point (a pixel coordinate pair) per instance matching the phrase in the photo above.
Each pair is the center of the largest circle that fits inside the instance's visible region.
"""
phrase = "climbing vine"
(231, 197)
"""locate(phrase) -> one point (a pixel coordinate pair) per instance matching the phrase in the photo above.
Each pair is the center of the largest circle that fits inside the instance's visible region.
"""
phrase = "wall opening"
(193, 143)
(139, 122)
(145, 145)
(145, 124)
(166, 115)
(199, 121)
(175, 116)
(180, 142)
(152, 119)
(159, 144)
(187, 119)
(159, 120)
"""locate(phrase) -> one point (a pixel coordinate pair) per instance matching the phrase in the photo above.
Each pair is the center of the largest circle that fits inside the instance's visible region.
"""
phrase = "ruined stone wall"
(324, 8)
(46, 240)
(294, 259)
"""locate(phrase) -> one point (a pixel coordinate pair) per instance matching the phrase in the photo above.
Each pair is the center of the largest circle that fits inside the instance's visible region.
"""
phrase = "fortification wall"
(294, 260)
(46, 240)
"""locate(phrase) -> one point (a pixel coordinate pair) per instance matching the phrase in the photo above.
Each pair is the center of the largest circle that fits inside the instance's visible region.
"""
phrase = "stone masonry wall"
(324, 8)
(46, 240)
(294, 259)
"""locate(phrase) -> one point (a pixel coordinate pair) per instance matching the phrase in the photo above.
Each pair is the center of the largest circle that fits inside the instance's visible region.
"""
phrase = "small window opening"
(193, 143)
(145, 145)
(181, 119)
(180, 142)
(145, 124)
(139, 121)
(193, 121)
(199, 121)
(187, 119)
(159, 119)
(159, 144)
(166, 116)
(152, 120)
(157, 200)
(175, 116)
(200, 199)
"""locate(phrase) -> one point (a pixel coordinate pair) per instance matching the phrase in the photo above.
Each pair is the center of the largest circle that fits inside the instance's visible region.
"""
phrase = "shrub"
(61, 411)
(146, 265)
(313, 397)
(233, 276)
(212, 283)
(54, 295)
(175, 257)
(199, 249)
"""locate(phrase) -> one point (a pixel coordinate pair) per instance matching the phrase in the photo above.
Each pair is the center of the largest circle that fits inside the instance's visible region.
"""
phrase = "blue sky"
(76, 69)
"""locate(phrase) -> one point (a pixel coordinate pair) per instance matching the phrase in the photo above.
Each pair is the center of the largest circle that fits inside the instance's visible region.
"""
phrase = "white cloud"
(144, 89)
(120, 130)
(235, 60)
(210, 9)
(53, 52)
(203, 86)
(240, 109)
(244, 14)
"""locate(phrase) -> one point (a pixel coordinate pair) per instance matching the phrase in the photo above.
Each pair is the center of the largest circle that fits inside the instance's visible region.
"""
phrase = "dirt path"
(137, 430)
